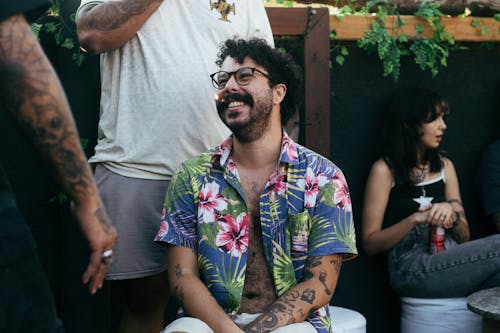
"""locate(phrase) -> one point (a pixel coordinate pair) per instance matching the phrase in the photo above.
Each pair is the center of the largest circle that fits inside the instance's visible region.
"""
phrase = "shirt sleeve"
(89, 2)
(332, 229)
(178, 223)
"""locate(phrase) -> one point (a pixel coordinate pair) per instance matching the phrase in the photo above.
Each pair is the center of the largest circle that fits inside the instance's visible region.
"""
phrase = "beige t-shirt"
(157, 101)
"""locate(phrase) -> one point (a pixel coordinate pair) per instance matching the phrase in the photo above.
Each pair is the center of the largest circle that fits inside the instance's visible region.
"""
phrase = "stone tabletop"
(486, 303)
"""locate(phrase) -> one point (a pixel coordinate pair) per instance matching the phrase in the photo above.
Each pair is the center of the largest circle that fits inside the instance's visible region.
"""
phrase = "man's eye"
(245, 76)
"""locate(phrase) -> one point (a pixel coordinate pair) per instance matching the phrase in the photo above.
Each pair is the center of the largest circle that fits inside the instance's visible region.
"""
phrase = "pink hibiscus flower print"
(311, 186)
(231, 166)
(163, 230)
(291, 148)
(224, 150)
(277, 183)
(321, 311)
(233, 237)
(341, 198)
(210, 202)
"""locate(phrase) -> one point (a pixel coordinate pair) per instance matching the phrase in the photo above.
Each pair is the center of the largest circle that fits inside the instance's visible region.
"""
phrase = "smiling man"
(258, 227)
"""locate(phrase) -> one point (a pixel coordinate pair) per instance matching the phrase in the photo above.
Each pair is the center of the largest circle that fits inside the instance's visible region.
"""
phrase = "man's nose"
(231, 84)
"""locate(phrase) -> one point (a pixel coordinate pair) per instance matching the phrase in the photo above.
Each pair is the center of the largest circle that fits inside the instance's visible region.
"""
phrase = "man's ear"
(279, 92)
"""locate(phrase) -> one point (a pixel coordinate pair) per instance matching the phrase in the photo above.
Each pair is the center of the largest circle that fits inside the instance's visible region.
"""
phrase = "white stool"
(346, 320)
(438, 315)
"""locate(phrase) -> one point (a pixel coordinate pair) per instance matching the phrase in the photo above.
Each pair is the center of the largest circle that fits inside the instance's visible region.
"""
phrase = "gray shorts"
(134, 207)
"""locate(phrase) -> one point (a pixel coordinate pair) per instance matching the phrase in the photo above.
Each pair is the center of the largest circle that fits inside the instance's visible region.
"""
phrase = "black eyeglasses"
(243, 76)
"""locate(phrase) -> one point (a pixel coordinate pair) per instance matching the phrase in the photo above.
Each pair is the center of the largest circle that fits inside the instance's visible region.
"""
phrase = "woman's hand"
(442, 215)
(421, 216)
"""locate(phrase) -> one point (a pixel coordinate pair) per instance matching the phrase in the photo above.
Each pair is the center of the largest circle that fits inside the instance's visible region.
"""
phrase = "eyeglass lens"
(242, 76)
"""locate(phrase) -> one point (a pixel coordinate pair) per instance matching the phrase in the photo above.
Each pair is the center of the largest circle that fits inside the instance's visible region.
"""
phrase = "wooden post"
(314, 26)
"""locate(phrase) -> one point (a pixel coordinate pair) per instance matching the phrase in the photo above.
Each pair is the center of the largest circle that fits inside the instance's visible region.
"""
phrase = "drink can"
(436, 239)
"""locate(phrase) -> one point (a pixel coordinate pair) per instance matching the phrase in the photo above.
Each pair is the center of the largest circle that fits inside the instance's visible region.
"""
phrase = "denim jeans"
(456, 272)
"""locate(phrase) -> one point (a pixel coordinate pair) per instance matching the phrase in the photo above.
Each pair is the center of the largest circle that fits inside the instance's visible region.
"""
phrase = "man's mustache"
(234, 97)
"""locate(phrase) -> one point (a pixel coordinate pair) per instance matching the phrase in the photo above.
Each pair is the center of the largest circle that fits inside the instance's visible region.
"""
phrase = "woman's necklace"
(420, 173)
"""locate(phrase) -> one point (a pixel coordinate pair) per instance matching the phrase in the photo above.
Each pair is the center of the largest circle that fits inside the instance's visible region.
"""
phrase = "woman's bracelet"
(455, 201)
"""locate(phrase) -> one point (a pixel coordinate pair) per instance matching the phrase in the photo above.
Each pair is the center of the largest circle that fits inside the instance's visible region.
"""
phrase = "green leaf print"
(284, 276)
(345, 231)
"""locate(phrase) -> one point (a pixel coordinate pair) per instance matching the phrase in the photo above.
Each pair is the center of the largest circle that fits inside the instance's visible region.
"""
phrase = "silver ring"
(106, 257)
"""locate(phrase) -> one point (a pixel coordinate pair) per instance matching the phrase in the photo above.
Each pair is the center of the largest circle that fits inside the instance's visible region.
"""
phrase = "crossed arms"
(312, 292)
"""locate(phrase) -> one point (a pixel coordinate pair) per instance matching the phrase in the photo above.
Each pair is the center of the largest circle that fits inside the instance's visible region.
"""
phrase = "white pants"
(193, 325)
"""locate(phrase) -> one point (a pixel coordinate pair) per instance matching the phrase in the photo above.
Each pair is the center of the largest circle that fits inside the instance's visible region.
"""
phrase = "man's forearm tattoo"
(271, 318)
(31, 92)
(113, 15)
(178, 271)
(308, 296)
(101, 217)
(322, 279)
(314, 262)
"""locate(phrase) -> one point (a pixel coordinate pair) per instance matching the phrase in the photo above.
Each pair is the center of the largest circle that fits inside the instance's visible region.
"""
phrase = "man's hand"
(101, 237)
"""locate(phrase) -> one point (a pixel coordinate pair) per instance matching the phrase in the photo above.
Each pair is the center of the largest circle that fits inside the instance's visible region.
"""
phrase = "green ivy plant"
(428, 53)
(63, 33)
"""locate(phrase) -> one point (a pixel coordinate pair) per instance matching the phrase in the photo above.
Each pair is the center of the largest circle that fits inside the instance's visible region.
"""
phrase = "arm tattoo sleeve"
(31, 92)
(116, 13)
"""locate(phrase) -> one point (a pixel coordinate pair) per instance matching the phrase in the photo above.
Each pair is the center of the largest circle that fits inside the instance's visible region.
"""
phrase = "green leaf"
(344, 51)
(339, 60)
(84, 142)
(497, 17)
(50, 27)
(36, 27)
(419, 29)
(68, 43)
(475, 23)
(484, 30)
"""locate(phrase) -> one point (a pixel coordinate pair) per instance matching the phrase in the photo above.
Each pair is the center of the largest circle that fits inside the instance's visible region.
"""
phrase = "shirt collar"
(289, 150)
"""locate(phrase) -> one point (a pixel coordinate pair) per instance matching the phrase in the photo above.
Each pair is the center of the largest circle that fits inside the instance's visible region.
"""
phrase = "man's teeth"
(236, 103)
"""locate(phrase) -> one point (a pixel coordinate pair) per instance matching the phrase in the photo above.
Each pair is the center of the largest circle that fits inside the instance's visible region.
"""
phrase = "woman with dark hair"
(413, 208)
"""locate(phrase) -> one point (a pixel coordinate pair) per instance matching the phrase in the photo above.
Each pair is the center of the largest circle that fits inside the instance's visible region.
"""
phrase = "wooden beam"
(352, 27)
(314, 27)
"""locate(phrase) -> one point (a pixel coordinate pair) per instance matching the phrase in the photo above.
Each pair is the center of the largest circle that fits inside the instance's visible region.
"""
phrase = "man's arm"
(191, 294)
(315, 290)
(107, 26)
(30, 91)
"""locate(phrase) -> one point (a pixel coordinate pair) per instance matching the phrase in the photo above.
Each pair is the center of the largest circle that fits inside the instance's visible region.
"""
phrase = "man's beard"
(252, 127)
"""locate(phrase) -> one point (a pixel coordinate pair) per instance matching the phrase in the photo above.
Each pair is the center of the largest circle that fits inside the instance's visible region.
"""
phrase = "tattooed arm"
(315, 290)
(107, 26)
(32, 94)
(192, 294)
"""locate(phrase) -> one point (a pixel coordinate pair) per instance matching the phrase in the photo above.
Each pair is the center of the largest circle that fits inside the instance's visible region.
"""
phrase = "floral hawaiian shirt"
(305, 211)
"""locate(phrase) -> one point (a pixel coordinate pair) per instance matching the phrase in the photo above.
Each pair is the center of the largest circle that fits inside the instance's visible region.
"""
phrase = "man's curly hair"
(280, 66)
